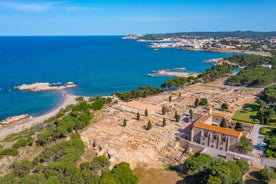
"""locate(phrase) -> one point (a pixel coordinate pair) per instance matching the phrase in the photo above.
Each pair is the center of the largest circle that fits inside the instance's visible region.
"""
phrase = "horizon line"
(135, 33)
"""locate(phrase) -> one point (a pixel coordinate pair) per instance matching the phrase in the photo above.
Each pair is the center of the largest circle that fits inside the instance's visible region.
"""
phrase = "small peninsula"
(44, 86)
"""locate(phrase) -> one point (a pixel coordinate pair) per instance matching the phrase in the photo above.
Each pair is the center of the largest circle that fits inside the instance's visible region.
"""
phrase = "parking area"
(257, 140)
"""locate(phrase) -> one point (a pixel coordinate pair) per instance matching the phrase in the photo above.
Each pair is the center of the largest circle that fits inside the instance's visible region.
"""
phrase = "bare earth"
(156, 147)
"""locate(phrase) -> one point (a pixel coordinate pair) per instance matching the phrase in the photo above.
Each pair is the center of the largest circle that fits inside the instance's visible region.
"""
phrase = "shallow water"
(99, 65)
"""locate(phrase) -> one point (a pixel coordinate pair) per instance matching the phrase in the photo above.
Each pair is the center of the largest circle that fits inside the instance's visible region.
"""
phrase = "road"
(256, 138)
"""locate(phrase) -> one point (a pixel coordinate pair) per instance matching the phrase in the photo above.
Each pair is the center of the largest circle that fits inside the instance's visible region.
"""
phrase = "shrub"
(9, 151)
(20, 143)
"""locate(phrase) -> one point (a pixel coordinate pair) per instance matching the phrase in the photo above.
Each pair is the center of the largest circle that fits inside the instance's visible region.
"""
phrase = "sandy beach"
(29, 122)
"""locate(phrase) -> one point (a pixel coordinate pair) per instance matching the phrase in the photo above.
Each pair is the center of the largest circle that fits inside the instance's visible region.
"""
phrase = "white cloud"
(147, 18)
(32, 7)
(80, 8)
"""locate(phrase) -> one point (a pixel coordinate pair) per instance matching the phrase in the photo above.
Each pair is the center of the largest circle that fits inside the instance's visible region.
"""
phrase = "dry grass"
(157, 176)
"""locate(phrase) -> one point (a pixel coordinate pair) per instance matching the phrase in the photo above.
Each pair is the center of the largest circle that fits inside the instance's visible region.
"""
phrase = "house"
(207, 131)
(267, 66)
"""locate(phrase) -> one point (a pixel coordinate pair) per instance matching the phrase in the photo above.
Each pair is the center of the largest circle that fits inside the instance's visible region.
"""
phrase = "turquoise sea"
(99, 65)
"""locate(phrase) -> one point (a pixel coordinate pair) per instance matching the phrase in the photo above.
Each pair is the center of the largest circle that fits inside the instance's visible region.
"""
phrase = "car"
(263, 144)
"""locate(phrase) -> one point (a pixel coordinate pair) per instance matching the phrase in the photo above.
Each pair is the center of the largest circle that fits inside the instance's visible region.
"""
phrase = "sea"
(99, 65)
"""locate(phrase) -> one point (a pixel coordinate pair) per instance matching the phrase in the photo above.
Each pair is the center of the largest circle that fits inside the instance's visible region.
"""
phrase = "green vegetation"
(239, 126)
(59, 167)
(213, 171)
(9, 151)
(149, 126)
(224, 106)
(203, 101)
(270, 138)
(245, 145)
(215, 72)
(125, 123)
(191, 112)
(223, 123)
(267, 174)
(142, 91)
(267, 112)
(248, 114)
(170, 98)
(146, 112)
(251, 60)
(179, 82)
(253, 76)
(196, 102)
(176, 116)
(57, 162)
(164, 123)
(138, 116)
(164, 110)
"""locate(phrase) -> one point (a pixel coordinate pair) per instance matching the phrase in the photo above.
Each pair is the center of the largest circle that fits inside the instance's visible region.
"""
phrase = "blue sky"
(118, 17)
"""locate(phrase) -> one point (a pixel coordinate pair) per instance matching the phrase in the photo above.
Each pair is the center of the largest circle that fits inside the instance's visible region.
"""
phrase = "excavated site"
(158, 146)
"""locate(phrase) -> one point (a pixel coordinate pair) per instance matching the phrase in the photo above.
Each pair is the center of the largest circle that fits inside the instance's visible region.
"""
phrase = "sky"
(120, 17)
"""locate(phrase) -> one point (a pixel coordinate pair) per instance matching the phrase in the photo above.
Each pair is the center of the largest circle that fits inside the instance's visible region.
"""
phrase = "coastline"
(16, 127)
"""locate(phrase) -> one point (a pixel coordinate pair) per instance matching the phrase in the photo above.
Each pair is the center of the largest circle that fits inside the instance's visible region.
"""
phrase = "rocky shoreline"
(44, 86)
(168, 72)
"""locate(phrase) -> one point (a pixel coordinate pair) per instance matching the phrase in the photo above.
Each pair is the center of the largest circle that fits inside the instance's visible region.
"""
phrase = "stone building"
(207, 131)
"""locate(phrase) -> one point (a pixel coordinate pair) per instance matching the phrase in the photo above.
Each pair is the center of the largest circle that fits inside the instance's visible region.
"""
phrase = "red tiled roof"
(217, 129)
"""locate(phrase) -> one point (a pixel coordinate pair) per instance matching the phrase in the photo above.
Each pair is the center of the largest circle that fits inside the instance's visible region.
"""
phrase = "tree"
(175, 114)
(272, 143)
(266, 174)
(107, 178)
(124, 123)
(223, 123)
(100, 164)
(179, 94)
(146, 112)
(177, 118)
(22, 168)
(214, 180)
(244, 166)
(138, 116)
(224, 106)
(149, 126)
(123, 174)
(203, 101)
(164, 122)
(196, 102)
(191, 112)
(170, 98)
(79, 99)
(164, 110)
(239, 126)
(198, 163)
(245, 145)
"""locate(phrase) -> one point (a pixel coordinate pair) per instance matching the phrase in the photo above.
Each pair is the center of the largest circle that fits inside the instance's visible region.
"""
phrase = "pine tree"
(138, 116)
(164, 110)
(164, 122)
(223, 123)
(149, 125)
(197, 102)
(146, 112)
(175, 114)
(125, 123)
